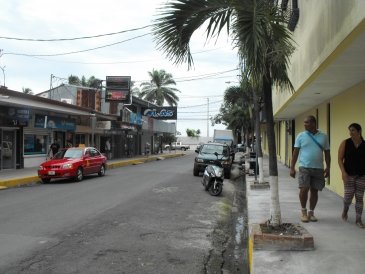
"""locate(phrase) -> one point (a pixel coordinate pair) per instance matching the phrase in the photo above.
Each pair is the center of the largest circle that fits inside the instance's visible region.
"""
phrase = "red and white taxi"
(74, 162)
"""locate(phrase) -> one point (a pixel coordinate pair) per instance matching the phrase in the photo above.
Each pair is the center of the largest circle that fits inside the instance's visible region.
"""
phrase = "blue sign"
(135, 118)
(53, 122)
(12, 116)
(161, 113)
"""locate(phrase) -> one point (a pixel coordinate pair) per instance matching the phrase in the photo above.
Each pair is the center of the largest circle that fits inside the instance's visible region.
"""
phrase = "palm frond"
(178, 20)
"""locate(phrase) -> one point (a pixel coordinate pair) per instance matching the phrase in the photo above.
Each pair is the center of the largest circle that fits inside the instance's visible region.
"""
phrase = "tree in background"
(92, 82)
(193, 132)
(236, 112)
(159, 89)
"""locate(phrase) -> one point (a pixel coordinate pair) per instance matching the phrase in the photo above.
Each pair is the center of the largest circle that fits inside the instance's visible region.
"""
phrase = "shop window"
(35, 144)
(80, 139)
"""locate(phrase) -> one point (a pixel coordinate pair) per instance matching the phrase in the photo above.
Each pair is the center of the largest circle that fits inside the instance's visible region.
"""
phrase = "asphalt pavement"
(339, 246)
(26, 176)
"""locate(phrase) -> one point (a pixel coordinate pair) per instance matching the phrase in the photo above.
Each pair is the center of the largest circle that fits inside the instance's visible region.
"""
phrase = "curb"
(4, 184)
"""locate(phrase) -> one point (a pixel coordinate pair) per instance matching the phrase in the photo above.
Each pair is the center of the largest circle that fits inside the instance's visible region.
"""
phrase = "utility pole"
(2, 68)
(208, 117)
(50, 84)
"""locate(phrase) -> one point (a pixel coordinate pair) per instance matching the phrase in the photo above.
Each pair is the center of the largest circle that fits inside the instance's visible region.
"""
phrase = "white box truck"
(225, 136)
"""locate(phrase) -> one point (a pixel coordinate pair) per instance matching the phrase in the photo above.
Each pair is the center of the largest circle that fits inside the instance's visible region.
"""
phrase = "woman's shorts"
(311, 177)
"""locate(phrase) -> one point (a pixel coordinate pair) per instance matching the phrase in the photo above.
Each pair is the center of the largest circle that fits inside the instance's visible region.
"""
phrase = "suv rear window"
(210, 149)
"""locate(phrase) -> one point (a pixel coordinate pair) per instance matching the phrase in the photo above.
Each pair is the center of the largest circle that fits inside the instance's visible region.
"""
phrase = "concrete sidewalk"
(18, 177)
(339, 247)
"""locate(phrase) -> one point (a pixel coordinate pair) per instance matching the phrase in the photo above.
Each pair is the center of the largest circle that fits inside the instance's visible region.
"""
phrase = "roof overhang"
(342, 70)
(18, 99)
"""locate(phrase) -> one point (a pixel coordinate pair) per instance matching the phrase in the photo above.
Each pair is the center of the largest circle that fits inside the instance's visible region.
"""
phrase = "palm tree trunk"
(273, 167)
(258, 136)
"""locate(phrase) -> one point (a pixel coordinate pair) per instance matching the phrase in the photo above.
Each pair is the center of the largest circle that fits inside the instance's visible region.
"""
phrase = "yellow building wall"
(346, 108)
(316, 37)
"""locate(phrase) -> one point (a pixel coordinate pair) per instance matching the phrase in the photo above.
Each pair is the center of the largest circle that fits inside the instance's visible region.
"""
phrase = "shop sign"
(11, 116)
(161, 113)
(53, 122)
(104, 125)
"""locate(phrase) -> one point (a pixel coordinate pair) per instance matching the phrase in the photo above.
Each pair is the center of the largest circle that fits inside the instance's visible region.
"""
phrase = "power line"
(203, 76)
(71, 39)
(73, 52)
(201, 104)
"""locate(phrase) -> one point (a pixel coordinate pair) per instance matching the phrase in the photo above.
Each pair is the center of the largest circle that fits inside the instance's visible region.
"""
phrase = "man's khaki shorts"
(311, 177)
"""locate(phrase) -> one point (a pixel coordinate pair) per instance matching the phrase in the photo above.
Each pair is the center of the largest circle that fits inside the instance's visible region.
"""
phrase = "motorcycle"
(213, 177)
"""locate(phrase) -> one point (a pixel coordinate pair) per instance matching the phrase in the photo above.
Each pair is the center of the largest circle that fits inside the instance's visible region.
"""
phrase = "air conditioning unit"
(66, 100)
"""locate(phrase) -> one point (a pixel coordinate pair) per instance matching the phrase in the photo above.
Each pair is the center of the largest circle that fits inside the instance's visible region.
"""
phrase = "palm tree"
(159, 89)
(263, 42)
(248, 86)
(236, 111)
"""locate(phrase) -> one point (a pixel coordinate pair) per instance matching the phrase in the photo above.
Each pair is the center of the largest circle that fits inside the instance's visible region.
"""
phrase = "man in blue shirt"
(310, 145)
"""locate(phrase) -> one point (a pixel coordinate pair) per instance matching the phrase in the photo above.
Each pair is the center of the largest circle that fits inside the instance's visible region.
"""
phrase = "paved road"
(149, 218)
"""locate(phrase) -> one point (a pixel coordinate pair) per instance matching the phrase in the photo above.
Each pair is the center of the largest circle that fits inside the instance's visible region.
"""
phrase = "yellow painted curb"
(250, 254)
(19, 181)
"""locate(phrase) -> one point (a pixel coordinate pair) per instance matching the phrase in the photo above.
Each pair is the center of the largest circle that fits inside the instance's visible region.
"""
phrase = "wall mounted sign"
(161, 113)
(118, 88)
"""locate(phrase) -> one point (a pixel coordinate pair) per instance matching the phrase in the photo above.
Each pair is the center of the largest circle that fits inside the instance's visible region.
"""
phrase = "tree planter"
(298, 238)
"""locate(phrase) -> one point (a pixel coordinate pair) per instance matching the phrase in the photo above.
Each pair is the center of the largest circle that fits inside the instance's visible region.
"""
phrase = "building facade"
(72, 116)
(327, 71)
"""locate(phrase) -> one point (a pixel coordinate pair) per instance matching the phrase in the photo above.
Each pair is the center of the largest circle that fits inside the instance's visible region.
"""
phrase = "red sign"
(118, 88)
(116, 95)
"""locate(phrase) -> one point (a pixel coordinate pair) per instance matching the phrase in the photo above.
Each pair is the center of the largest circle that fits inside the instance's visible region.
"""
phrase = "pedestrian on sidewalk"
(310, 145)
(53, 149)
(351, 159)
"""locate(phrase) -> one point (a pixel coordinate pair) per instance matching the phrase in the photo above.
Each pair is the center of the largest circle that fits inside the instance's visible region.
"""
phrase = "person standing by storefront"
(53, 149)
(108, 149)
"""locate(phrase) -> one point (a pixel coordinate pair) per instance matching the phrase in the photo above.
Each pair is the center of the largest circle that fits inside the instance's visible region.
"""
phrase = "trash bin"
(254, 165)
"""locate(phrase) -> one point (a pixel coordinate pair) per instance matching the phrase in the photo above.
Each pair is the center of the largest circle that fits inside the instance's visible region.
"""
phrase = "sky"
(38, 65)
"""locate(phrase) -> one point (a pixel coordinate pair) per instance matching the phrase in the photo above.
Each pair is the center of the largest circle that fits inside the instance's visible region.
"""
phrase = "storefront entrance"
(7, 152)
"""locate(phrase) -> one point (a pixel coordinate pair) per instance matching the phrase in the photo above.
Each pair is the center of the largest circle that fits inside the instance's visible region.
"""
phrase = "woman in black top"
(351, 159)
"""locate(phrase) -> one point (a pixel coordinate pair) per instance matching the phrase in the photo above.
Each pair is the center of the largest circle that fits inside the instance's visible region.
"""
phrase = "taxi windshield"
(73, 153)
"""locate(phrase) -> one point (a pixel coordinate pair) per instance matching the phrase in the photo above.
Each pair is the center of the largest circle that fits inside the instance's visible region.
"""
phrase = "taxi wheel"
(79, 175)
(102, 171)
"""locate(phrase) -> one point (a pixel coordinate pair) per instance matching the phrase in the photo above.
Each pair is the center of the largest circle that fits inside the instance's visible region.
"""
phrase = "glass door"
(7, 159)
